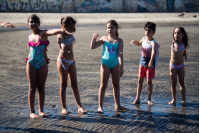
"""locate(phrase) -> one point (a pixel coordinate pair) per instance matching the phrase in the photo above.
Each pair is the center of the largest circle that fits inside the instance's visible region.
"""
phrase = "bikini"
(68, 41)
(110, 54)
(37, 53)
(181, 48)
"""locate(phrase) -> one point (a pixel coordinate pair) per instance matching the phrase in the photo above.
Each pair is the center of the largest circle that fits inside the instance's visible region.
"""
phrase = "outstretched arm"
(120, 56)
(7, 25)
(94, 43)
(55, 32)
(138, 43)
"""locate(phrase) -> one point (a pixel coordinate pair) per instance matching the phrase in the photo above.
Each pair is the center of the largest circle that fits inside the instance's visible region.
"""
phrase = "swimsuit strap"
(64, 35)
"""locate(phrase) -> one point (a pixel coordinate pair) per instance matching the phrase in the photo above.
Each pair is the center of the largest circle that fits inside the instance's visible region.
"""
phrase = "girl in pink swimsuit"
(176, 66)
(37, 67)
(66, 64)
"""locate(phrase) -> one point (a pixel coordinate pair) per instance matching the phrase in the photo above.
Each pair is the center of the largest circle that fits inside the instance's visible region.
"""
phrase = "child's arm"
(185, 54)
(153, 54)
(138, 43)
(55, 32)
(120, 55)
(94, 43)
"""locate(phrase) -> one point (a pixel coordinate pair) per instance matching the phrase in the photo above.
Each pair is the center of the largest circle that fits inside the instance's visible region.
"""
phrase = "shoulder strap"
(64, 36)
(117, 39)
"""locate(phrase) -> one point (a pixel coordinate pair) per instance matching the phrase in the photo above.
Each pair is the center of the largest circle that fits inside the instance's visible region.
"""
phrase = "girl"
(112, 63)
(37, 67)
(66, 64)
(176, 67)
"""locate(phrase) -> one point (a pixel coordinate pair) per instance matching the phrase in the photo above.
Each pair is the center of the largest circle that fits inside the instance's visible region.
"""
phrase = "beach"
(161, 117)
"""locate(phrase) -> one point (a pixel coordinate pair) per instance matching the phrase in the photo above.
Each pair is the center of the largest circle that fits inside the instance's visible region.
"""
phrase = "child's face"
(178, 36)
(33, 24)
(70, 28)
(111, 29)
(149, 32)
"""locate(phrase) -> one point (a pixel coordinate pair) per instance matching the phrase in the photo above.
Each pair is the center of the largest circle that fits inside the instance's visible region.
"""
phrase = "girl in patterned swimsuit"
(177, 67)
(37, 67)
(112, 63)
(66, 64)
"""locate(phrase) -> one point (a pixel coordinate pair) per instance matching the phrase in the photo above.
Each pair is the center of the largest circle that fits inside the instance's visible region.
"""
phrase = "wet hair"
(150, 25)
(185, 38)
(34, 17)
(67, 21)
(113, 22)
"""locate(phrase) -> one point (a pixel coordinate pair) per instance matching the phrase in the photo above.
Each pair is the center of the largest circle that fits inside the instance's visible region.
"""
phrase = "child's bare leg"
(181, 76)
(150, 90)
(173, 75)
(32, 78)
(105, 74)
(74, 86)
(116, 88)
(139, 89)
(63, 85)
(41, 80)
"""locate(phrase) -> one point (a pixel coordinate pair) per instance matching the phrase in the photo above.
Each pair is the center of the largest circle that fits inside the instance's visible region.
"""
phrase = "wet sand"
(161, 117)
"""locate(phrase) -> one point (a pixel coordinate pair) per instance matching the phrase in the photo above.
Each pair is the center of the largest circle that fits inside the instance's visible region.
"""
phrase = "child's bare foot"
(82, 111)
(137, 101)
(120, 108)
(64, 112)
(173, 102)
(34, 116)
(42, 114)
(100, 110)
(184, 103)
(149, 102)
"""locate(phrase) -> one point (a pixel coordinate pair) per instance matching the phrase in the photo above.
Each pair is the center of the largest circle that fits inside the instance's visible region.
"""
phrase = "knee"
(63, 85)
(32, 89)
(149, 83)
(182, 84)
(174, 84)
(74, 85)
(103, 86)
(116, 86)
(140, 81)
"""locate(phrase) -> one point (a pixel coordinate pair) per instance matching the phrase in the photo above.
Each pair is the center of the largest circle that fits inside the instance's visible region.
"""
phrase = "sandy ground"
(14, 109)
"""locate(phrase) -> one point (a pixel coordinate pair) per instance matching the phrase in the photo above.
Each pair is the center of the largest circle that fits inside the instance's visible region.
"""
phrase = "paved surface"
(14, 110)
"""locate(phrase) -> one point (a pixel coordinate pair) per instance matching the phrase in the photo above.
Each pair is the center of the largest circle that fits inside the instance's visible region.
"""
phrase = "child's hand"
(95, 35)
(121, 72)
(150, 65)
(66, 32)
(133, 41)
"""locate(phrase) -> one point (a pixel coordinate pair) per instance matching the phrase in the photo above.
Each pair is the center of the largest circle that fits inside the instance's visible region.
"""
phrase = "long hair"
(113, 22)
(185, 38)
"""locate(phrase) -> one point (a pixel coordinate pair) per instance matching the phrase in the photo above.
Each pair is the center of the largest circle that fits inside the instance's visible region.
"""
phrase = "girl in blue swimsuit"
(112, 63)
(37, 67)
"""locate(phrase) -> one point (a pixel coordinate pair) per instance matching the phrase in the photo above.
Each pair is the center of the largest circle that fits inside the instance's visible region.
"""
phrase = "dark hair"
(67, 21)
(113, 22)
(150, 25)
(34, 17)
(185, 38)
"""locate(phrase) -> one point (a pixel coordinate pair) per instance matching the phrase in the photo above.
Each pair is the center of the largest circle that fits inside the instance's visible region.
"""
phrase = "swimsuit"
(180, 48)
(68, 41)
(110, 54)
(37, 53)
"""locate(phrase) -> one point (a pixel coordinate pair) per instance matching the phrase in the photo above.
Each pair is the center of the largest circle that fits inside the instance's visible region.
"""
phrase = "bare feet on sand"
(82, 111)
(64, 112)
(34, 116)
(137, 101)
(173, 102)
(100, 110)
(149, 102)
(120, 108)
(184, 103)
(42, 114)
